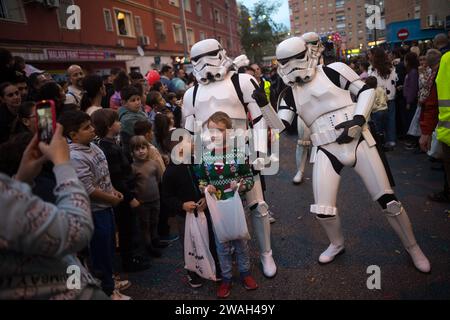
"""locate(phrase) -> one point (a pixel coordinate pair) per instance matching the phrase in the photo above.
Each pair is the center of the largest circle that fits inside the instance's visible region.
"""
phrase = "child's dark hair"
(142, 127)
(72, 121)
(162, 131)
(180, 94)
(50, 91)
(139, 87)
(170, 96)
(138, 141)
(102, 120)
(157, 86)
(372, 82)
(92, 85)
(134, 75)
(153, 97)
(127, 92)
(121, 81)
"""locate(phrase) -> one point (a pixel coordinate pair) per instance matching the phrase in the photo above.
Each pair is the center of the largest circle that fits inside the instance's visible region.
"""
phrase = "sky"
(282, 16)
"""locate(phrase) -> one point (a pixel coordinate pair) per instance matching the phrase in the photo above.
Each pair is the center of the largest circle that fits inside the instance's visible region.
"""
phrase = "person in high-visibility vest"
(443, 127)
(261, 82)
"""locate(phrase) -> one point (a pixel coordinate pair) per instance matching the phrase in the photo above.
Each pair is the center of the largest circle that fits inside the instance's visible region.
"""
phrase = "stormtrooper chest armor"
(319, 99)
(220, 96)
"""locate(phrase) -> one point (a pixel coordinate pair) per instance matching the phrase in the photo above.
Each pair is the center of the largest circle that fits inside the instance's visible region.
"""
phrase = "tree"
(259, 33)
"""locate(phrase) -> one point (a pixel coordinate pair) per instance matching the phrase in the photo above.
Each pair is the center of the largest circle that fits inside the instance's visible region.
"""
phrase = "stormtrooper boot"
(332, 227)
(261, 226)
(399, 221)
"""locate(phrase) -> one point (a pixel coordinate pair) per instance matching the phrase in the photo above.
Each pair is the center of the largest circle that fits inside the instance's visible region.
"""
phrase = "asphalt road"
(298, 240)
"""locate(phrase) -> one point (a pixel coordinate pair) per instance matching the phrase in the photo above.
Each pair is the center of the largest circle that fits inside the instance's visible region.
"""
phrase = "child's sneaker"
(169, 238)
(194, 280)
(121, 284)
(224, 290)
(249, 283)
(116, 295)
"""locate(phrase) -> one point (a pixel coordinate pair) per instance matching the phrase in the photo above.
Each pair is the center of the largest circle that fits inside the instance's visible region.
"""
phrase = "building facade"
(346, 17)
(136, 35)
(415, 20)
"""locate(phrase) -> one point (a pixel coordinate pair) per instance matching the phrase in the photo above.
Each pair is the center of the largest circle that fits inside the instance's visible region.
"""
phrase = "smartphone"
(45, 120)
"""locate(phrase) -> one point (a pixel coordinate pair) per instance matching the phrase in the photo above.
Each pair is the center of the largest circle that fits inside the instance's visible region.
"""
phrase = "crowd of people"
(108, 168)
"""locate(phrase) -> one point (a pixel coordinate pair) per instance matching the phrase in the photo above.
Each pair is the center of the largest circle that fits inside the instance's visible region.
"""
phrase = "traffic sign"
(403, 34)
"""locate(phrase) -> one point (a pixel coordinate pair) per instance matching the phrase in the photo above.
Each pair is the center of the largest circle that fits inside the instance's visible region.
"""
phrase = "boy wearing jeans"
(91, 167)
(221, 174)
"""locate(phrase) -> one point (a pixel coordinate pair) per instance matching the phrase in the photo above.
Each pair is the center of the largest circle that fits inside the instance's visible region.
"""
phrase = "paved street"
(298, 240)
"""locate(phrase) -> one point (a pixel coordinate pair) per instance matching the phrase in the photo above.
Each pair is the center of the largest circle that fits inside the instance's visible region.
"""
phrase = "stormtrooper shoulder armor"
(344, 70)
(188, 103)
(248, 84)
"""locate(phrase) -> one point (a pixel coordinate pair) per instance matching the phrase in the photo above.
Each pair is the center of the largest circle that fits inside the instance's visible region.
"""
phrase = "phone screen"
(45, 122)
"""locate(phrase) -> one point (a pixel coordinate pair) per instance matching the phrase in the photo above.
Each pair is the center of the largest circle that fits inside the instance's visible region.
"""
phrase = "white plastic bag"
(197, 256)
(436, 147)
(414, 127)
(228, 217)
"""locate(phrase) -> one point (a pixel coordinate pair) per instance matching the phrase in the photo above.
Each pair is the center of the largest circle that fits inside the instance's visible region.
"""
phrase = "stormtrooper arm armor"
(188, 116)
(286, 113)
(349, 80)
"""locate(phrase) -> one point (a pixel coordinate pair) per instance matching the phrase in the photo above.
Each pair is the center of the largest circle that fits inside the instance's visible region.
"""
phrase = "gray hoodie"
(38, 240)
(92, 169)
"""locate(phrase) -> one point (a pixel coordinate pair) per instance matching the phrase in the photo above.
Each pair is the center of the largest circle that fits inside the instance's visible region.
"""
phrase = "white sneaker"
(121, 284)
(332, 251)
(116, 295)
(268, 264)
(419, 259)
(298, 178)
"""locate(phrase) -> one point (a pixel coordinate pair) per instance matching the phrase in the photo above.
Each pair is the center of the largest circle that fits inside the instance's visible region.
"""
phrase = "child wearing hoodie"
(129, 114)
(91, 167)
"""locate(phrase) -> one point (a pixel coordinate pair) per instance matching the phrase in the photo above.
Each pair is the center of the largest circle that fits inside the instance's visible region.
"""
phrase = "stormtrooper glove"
(260, 97)
(351, 129)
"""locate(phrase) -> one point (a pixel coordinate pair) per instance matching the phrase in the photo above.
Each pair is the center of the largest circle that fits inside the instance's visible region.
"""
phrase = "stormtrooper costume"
(301, 152)
(221, 89)
(340, 137)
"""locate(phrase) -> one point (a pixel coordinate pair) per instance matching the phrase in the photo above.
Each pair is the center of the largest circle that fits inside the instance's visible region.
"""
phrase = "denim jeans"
(379, 120)
(226, 258)
(102, 248)
(391, 134)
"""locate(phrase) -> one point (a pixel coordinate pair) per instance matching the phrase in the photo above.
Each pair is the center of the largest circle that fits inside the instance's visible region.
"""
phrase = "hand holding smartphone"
(45, 120)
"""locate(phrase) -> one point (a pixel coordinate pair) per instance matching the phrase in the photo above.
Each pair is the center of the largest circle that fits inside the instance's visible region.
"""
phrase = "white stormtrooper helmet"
(210, 61)
(297, 60)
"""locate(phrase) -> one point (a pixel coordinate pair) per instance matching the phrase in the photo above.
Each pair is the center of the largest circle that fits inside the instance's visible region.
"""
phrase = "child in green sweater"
(221, 172)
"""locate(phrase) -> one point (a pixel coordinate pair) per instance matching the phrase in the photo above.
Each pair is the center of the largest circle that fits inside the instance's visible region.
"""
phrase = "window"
(138, 26)
(187, 5)
(176, 3)
(340, 19)
(108, 20)
(202, 35)
(12, 10)
(340, 26)
(198, 7)
(177, 33)
(124, 23)
(160, 30)
(217, 16)
(190, 37)
(62, 12)
(340, 3)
